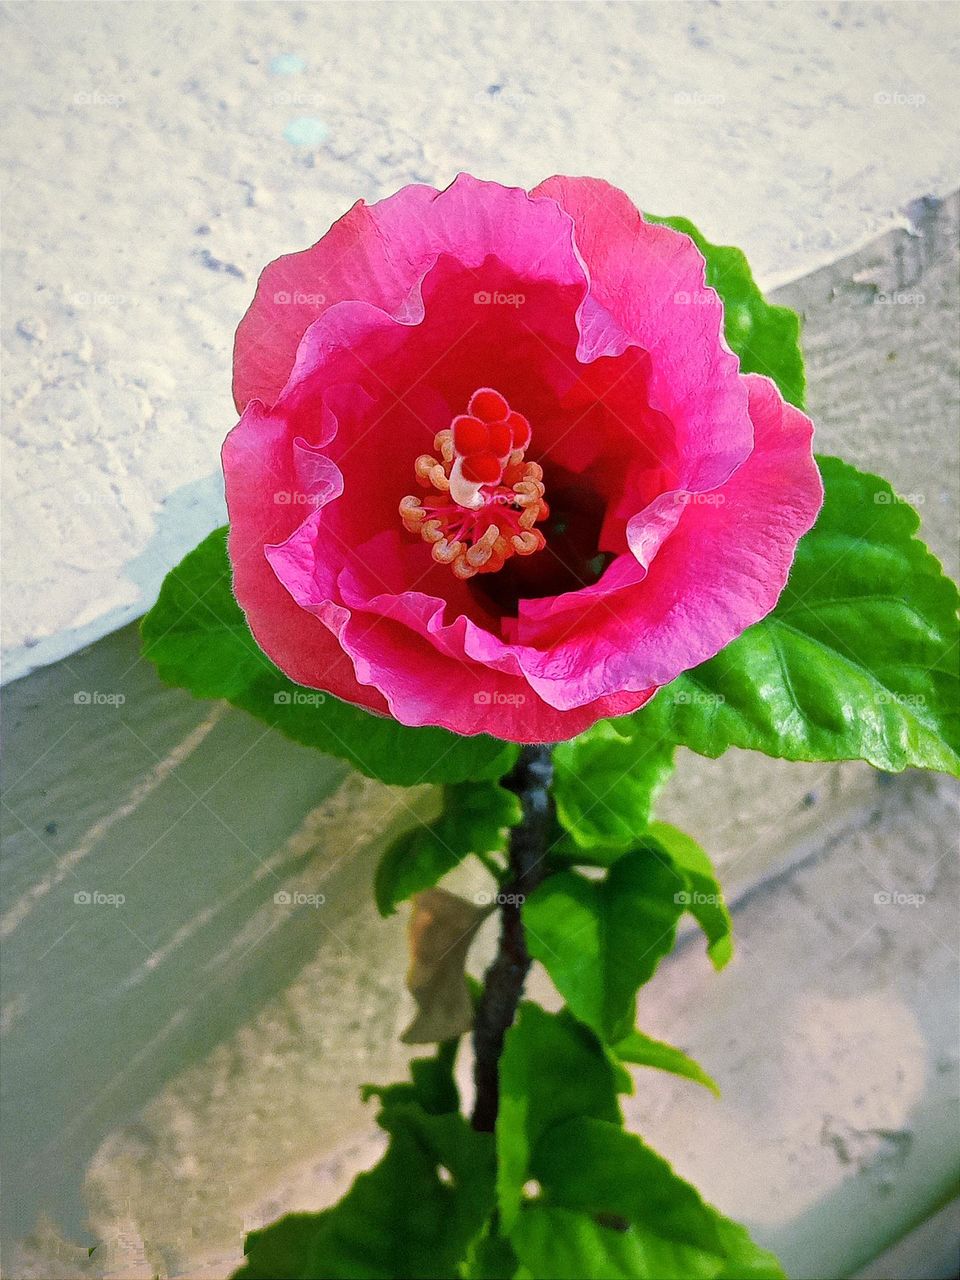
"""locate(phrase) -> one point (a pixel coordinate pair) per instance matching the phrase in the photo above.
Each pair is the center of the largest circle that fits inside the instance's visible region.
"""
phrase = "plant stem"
(531, 782)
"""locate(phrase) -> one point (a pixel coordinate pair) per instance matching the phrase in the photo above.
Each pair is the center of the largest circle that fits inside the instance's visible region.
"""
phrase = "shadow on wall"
(146, 836)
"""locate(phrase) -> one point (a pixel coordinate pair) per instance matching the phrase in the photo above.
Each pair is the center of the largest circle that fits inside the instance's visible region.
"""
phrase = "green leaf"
(198, 638)
(601, 940)
(858, 661)
(436, 1179)
(413, 1215)
(594, 1167)
(557, 1244)
(551, 1070)
(605, 788)
(704, 896)
(765, 337)
(279, 1252)
(432, 1085)
(490, 1257)
(644, 1051)
(475, 819)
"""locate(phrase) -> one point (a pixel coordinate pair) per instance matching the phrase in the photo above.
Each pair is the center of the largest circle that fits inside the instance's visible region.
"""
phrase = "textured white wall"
(156, 155)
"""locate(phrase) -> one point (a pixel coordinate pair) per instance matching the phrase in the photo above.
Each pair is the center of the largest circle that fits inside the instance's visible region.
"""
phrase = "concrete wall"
(185, 1064)
(157, 155)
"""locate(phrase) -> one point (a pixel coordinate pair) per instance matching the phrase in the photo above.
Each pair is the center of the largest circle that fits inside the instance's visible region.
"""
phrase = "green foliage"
(666, 1231)
(605, 788)
(703, 897)
(413, 1215)
(552, 1070)
(198, 638)
(644, 1051)
(765, 337)
(475, 819)
(858, 661)
(431, 1084)
(600, 940)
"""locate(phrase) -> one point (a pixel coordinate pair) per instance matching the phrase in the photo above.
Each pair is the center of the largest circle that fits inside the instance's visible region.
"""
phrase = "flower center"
(482, 498)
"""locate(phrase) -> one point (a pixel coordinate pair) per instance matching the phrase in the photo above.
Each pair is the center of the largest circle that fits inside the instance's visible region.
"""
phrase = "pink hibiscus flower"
(496, 468)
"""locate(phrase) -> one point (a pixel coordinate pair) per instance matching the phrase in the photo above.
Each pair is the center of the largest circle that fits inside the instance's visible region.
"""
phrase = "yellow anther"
(443, 443)
(411, 508)
(423, 467)
(449, 519)
(445, 552)
(527, 542)
(478, 555)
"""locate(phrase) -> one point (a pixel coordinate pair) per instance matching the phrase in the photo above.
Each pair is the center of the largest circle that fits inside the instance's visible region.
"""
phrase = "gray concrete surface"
(156, 155)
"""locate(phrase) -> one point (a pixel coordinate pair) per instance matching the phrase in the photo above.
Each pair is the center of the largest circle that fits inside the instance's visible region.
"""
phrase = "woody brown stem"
(531, 782)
